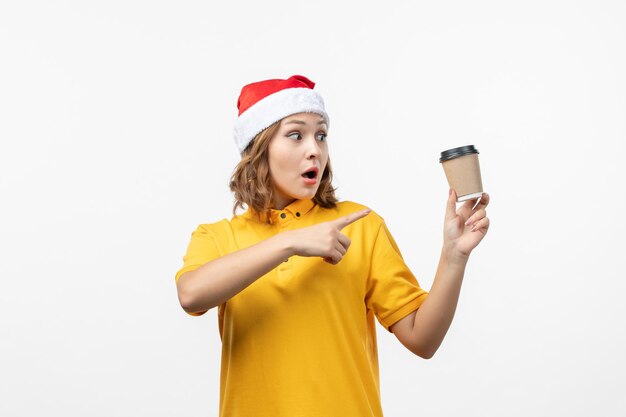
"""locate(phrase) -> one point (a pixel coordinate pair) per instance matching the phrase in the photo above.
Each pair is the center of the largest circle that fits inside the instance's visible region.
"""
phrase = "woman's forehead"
(303, 118)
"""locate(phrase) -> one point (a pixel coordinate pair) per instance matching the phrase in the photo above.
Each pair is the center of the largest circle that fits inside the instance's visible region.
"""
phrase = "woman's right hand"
(324, 239)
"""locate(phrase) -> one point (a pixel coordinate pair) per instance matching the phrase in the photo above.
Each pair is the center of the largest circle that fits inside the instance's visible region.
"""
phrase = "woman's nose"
(313, 148)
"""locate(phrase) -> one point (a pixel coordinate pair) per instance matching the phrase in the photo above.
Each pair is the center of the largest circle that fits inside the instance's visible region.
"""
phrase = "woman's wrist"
(285, 243)
(453, 256)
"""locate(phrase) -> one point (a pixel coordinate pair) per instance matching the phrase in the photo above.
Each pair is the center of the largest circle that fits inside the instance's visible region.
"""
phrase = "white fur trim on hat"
(273, 108)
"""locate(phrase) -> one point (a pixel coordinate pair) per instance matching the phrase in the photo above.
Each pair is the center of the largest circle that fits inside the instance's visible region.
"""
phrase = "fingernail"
(468, 222)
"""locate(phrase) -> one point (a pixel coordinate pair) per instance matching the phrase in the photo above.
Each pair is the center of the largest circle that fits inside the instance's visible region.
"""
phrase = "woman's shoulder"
(351, 205)
(217, 229)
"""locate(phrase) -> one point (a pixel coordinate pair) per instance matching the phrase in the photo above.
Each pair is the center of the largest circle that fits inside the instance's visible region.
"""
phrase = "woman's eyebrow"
(301, 122)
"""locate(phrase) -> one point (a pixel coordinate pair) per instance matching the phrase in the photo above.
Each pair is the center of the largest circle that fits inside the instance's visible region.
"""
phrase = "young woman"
(299, 277)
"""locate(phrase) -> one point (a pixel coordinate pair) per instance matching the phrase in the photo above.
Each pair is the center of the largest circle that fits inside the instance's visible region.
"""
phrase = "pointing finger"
(351, 218)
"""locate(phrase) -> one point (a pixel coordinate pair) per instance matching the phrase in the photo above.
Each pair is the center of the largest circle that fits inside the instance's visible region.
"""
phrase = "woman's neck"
(280, 205)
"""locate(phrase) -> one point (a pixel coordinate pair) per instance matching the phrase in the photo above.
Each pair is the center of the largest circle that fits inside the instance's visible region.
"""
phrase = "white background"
(116, 142)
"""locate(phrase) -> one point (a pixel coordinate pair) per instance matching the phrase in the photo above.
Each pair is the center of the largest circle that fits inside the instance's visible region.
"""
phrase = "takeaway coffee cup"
(463, 172)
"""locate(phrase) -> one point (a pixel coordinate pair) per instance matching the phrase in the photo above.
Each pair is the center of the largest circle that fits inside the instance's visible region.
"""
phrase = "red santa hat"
(265, 102)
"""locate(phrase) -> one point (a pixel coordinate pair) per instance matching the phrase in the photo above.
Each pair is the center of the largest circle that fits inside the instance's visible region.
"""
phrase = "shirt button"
(298, 214)
(283, 215)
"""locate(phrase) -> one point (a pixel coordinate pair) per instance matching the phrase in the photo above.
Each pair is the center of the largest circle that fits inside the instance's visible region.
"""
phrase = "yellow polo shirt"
(301, 340)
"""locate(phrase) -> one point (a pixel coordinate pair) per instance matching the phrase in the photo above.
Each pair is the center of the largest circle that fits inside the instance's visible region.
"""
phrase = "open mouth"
(311, 173)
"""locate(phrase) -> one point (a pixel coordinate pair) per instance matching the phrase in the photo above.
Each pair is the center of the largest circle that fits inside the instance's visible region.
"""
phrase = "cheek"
(279, 161)
(325, 157)
(285, 158)
(273, 155)
(283, 162)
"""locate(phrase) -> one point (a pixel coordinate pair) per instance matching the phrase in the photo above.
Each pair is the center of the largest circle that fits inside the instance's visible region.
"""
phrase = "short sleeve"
(392, 290)
(201, 249)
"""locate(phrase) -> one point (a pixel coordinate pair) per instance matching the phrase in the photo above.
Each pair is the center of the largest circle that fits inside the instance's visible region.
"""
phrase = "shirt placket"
(285, 269)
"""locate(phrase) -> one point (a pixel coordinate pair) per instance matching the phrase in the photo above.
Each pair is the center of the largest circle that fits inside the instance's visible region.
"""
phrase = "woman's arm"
(423, 330)
(220, 279)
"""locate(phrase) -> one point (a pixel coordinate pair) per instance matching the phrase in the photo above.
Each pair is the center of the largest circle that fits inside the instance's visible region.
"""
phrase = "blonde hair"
(251, 181)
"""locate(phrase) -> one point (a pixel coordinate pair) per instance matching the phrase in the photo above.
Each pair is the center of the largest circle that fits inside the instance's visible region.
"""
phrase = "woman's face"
(298, 145)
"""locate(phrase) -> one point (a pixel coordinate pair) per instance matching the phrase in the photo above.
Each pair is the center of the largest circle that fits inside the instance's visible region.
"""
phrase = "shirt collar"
(295, 210)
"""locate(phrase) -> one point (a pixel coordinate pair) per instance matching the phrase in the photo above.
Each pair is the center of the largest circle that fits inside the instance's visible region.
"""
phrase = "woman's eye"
(294, 134)
(297, 136)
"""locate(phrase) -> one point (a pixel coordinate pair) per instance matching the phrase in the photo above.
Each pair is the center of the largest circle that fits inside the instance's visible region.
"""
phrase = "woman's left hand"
(465, 228)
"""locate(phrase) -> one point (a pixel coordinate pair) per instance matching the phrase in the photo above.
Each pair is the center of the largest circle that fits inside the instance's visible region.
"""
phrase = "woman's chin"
(301, 193)
(309, 193)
